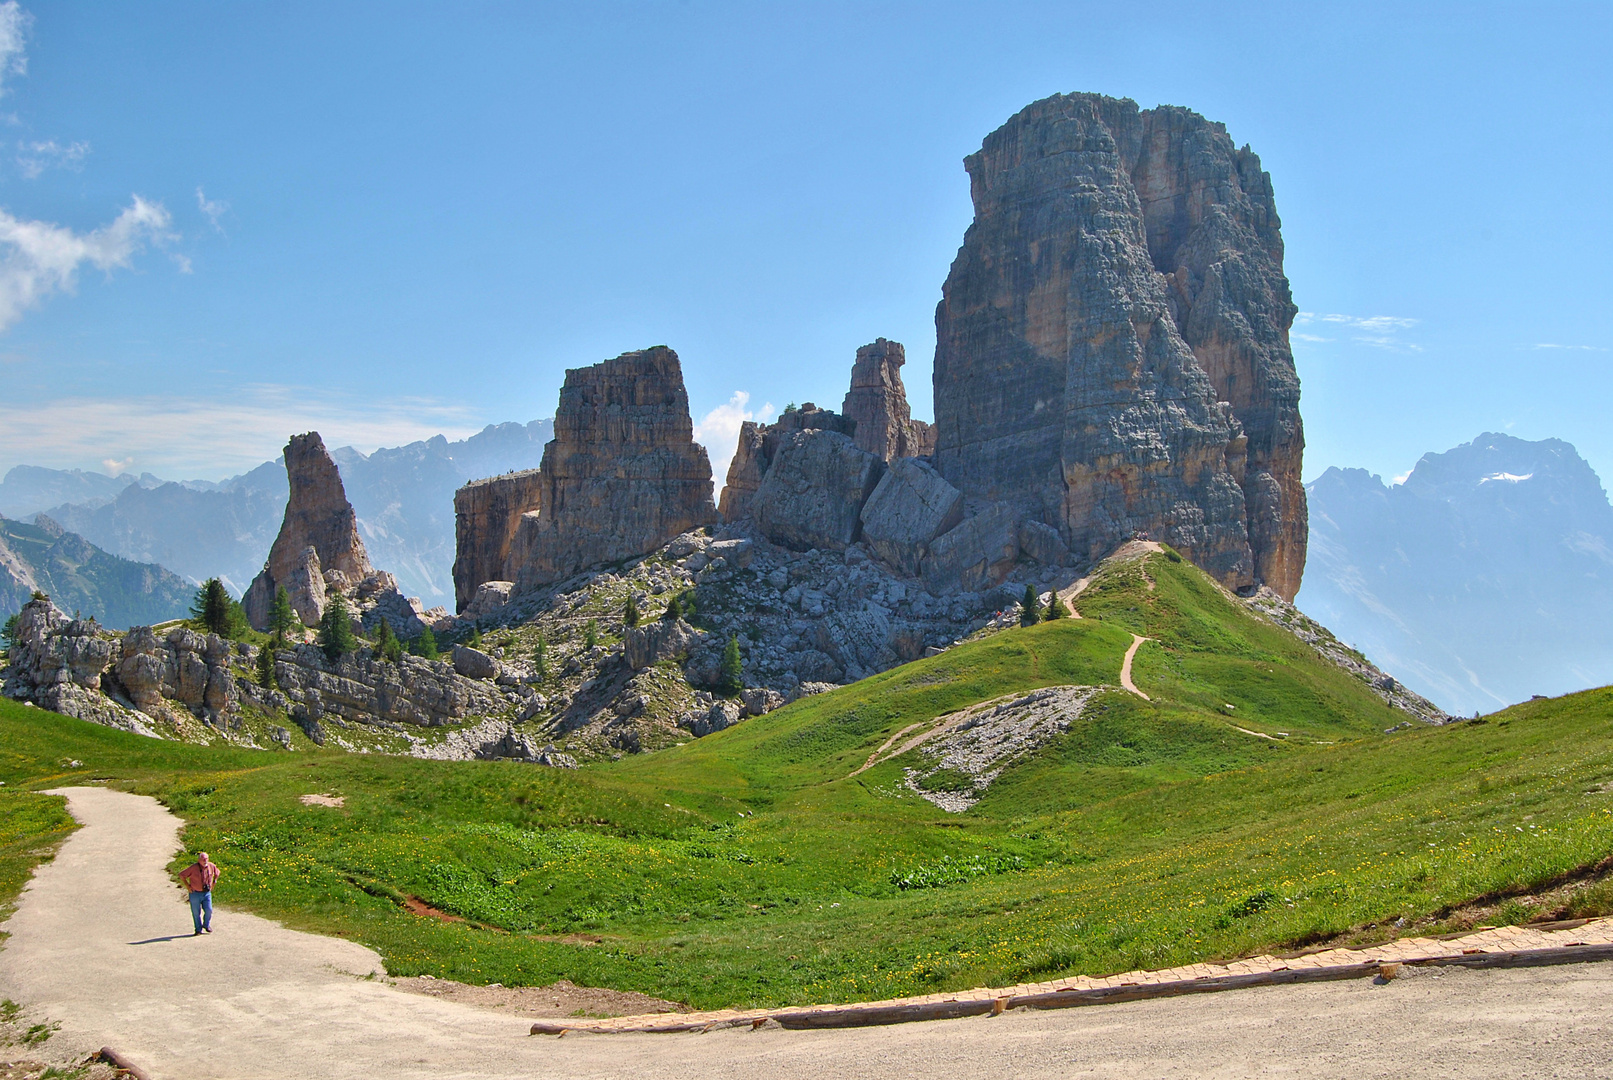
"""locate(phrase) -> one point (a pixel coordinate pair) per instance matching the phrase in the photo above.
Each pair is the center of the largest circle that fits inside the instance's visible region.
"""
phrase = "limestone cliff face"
(1112, 342)
(487, 515)
(877, 404)
(318, 547)
(623, 474)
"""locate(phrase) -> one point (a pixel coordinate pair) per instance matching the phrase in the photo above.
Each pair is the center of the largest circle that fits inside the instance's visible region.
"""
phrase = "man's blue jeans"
(201, 910)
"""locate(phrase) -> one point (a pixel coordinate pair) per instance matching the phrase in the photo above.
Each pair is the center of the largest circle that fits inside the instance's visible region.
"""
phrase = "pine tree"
(674, 609)
(630, 613)
(540, 660)
(387, 645)
(590, 636)
(336, 629)
(281, 617)
(9, 634)
(731, 676)
(1027, 607)
(475, 638)
(266, 653)
(211, 610)
(425, 645)
(1056, 608)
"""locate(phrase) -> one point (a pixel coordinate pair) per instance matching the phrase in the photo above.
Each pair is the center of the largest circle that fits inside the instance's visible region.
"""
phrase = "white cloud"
(114, 466)
(14, 23)
(1377, 331)
(718, 431)
(38, 258)
(1576, 348)
(33, 158)
(212, 208)
(211, 437)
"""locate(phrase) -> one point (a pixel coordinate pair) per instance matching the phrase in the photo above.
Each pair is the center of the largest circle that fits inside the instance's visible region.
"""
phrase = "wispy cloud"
(212, 209)
(14, 24)
(211, 437)
(1378, 331)
(1573, 348)
(34, 158)
(718, 430)
(38, 258)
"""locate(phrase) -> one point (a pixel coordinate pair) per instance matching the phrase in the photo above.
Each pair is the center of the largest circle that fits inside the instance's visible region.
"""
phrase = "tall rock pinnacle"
(623, 474)
(318, 545)
(1112, 342)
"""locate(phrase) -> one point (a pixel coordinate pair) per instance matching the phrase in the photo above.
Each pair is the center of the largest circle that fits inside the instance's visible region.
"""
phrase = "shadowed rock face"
(487, 515)
(1112, 343)
(623, 474)
(759, 445)
(318, 546)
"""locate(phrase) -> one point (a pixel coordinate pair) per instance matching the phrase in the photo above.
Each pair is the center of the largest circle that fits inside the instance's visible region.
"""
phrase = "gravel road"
(101, 943)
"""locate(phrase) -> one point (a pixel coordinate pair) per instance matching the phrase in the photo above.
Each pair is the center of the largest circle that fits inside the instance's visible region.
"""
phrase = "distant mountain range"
(404, 498)
(1483, 579)
(80, 577)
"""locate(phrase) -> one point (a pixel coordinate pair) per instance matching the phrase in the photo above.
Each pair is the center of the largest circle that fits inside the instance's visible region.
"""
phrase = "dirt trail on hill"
(101, 943)
(1125, 666)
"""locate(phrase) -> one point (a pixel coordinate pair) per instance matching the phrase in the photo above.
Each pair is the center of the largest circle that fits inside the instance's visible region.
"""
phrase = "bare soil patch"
(562, 999)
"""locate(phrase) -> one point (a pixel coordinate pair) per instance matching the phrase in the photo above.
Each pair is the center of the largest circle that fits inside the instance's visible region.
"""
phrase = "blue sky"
(226, 223)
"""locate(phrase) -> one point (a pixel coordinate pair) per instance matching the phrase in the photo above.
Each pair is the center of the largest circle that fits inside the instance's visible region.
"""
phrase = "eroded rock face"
(1112, 343)
(318, 546)
(814, 490)
(877, 405)
(623, 474)
(759, 444)
(487, 515)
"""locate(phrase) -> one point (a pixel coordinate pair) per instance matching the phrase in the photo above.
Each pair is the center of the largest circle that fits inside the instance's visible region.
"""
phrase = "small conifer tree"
(475, 638)
(281, 617)
(1027, 607)
(9, 634)
(336, 635)
(213, 609)
(1055, 607)
(540, 659)
(674, 609)
(630, 612)
(731, 675)
(590, 635)
(425, 645)
(387, 645)
(266, 653)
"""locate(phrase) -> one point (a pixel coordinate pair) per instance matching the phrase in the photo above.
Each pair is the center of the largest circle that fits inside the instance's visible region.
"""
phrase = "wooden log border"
(853, 1016)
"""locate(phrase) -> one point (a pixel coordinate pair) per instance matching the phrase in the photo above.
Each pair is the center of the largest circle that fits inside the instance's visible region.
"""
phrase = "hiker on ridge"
(198, 878)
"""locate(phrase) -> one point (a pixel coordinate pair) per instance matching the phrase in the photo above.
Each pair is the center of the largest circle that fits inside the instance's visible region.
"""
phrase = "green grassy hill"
(1255, 802)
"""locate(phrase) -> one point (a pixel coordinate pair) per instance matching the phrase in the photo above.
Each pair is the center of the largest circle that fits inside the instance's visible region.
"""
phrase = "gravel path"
(1125, 666)
(101, 943)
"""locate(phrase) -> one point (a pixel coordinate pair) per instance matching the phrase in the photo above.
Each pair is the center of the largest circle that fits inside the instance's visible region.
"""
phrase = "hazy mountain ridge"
(1484, 578)
(404, 497)
(79, 576)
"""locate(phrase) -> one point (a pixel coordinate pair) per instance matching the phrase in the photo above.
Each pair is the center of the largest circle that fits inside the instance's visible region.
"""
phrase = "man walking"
(198, 878)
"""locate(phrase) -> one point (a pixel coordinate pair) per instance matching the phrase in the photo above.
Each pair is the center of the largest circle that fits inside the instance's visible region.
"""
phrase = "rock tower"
(1112, 348)
(877, 404)
(487, 515)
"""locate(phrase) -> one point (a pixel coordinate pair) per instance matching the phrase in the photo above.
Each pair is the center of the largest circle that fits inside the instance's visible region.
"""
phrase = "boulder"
(651, 643)
(814, 491)
(474, 663)
(977, 554)
(1043, 543)
(759, 445)
(759, 700)
(910, 506)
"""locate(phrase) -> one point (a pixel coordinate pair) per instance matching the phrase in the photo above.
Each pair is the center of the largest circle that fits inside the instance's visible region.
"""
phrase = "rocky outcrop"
(877, 405)
(487, 515)
(909, 508)
(813, 493)
(623, 474)
(1112, 341)
(318, 546)
(759, 444)
(977, 554)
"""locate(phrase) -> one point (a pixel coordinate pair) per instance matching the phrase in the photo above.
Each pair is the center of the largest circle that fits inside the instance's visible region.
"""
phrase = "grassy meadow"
(1255, 803)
